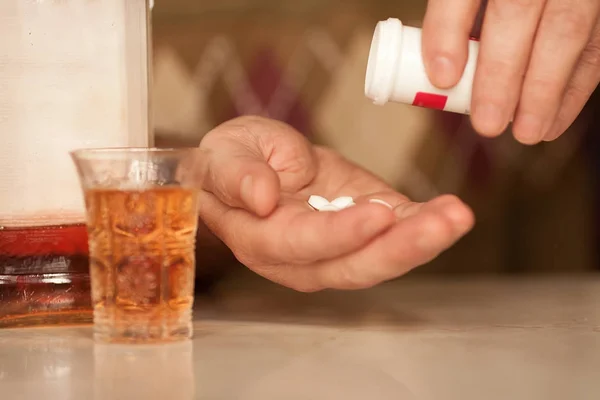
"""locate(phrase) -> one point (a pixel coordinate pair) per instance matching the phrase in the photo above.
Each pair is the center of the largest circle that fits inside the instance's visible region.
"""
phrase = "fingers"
(302, 236)
(247, 161)
(237, 174)
(529, 50)
(581, 86)
(325, 235)
(563, 33)
(355, 248)
(403, 208)
(506, 41)
(413, 241)
(446, 29)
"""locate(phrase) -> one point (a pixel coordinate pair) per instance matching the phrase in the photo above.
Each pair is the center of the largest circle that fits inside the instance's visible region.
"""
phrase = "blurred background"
(303, 62)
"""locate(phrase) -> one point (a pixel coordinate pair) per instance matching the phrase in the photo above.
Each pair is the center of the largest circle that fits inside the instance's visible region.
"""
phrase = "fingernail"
(444, 71)
(529, 129)
(377, 201)
(246, 191)
(489, 119)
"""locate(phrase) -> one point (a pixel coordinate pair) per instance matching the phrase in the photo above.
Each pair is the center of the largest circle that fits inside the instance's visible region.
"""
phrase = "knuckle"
(499, 68)
(498, 76)
(248, 120)
(345, 278)
(220, 140)
(246, 253)
(350, 282)
(512, 6)
(242, 253)
(293, 157)
(288, 247)
(237, 130)
(569, 22)
(541, 92)
(591, 54)
(243, 256)
(288, 275)
(245, 137)
(540, 83)
(259, 126)
(368, 284)
(577, 94)
(349, 279)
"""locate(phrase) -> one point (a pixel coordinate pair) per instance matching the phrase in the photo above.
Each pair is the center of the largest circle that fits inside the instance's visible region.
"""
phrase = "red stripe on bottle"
(430, 100)
(55, 240)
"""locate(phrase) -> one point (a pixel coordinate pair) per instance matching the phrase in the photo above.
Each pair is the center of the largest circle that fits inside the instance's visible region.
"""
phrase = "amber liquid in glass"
(44, 278)
(142, 262)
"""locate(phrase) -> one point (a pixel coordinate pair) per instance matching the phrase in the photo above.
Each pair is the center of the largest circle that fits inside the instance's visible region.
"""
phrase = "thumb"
(235, 171)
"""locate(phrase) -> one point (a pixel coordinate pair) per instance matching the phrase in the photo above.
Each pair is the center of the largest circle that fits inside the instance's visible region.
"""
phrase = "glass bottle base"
(44, 300)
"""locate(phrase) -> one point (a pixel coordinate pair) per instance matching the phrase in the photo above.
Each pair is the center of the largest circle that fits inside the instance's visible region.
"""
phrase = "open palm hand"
(257, 175)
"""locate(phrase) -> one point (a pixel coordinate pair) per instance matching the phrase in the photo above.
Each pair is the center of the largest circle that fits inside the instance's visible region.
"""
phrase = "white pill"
(317, 202)
(329, 207)
(343, 202)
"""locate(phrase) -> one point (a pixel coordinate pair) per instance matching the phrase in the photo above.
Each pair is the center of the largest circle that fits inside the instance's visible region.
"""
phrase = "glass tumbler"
(142, 218)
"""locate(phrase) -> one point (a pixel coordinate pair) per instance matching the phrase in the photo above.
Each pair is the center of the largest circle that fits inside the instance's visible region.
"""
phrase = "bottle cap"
(384, 57)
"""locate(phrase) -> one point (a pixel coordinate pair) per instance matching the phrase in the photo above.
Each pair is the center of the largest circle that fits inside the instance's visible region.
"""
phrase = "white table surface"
(484, 339)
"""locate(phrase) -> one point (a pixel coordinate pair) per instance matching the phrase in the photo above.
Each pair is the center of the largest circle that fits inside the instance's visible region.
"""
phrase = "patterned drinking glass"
(142, 218)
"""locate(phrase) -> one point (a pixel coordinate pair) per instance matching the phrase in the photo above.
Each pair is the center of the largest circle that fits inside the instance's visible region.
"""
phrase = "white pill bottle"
(395, 71)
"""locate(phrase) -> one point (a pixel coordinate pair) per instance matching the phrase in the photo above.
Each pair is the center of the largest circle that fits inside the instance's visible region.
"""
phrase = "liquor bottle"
(73, 74)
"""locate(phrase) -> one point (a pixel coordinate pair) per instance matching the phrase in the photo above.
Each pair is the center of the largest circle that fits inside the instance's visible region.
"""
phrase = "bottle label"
(430, 100)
